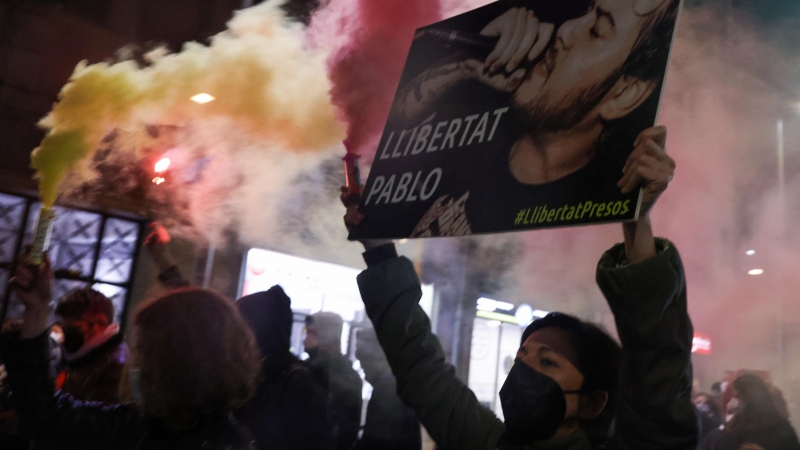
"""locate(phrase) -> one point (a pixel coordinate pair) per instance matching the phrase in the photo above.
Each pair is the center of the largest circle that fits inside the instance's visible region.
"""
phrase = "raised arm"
(644, 283)
(446, 407)
(43, 413)
(391, 292)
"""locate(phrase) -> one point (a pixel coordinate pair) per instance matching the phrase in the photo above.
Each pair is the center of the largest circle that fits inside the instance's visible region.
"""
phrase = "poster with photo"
(519, 115)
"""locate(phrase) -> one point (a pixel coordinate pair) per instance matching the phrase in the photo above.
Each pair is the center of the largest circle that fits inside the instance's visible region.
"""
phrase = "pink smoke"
(369, 41)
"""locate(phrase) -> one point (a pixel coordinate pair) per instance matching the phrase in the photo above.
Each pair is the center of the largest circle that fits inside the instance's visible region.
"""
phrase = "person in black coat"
(390, 424)
(710, 414)
(289, 410)
(323, 343)
(195, 361)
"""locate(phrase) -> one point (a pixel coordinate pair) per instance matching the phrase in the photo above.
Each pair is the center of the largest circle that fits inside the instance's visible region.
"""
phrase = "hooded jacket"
(648, 299)
(344, 383)
(289, 409)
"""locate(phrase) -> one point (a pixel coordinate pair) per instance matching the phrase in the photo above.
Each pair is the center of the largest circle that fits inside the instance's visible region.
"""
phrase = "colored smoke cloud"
(267, 84)
(368, 42)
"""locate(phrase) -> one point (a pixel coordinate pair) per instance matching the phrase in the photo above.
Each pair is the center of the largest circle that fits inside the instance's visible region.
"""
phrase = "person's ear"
(592, 405)
(626, 95)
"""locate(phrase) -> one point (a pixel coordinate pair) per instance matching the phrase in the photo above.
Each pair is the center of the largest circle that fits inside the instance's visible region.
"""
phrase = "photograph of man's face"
(521, 114)
(580, 79)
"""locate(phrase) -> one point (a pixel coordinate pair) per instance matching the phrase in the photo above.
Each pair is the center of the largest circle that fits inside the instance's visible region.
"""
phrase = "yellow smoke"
(262, 76)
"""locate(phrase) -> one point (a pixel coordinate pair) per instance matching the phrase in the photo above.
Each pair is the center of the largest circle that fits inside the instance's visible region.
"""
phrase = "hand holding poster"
(519, 115)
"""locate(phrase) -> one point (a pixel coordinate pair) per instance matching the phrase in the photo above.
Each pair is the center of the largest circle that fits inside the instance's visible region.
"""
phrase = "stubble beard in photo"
(546, 114)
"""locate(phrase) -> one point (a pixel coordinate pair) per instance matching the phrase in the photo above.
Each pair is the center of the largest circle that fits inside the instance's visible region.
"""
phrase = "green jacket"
(648, 300)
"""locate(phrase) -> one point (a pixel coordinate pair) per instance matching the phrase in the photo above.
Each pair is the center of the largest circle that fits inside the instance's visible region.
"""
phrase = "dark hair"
(758, 406)
(647, 61)
(85, 303)
(197, 356)
(650, 54)
(598, 357)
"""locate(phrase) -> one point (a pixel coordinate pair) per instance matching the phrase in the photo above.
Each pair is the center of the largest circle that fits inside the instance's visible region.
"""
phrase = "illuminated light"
(750, 252)
(493, 323)
(158, 180)
(496, 316)
(539, 314)
(203, 98)
(403, 241)
(756, 272)
(487, 304)
(701, 344)
(162, 165)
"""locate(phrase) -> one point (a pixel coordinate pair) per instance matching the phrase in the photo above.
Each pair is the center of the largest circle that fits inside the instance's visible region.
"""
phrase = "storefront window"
(87, 249)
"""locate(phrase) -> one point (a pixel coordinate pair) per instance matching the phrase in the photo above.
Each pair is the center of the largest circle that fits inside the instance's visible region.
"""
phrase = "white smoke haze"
(270, 148)
(724, 200)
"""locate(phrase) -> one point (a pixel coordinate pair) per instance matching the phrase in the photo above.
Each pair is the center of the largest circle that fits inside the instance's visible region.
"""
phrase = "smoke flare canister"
(352, 173)
(41, 239)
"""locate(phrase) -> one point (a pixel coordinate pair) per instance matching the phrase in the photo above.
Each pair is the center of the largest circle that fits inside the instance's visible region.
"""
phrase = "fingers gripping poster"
(519, 115)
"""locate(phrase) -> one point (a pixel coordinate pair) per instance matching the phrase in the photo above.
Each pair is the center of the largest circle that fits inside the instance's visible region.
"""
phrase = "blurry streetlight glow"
(487, 304)
(493, 323)
(203, 98)
(158, 180)
(162, 165)
(756, 272)
(751, 252)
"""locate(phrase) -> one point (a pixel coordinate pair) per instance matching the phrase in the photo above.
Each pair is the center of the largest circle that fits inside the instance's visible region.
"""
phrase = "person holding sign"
(571, 387)
(534, 134)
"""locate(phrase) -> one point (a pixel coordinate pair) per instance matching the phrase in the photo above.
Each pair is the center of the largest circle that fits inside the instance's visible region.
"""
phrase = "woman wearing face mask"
(758, 420)
(194, 362)
(571, 386)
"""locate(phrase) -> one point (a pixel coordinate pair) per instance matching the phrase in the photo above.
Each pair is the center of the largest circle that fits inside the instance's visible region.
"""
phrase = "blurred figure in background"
(290, 408)
(716, 393)
(757, 422)
(10, 437)
(710, 414)
(94, 353)
(194, 362)
(323, 343)
(156, 244)
(390, 424)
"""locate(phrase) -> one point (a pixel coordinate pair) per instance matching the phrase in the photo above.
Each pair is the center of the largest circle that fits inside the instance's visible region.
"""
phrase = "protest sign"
(519, 115)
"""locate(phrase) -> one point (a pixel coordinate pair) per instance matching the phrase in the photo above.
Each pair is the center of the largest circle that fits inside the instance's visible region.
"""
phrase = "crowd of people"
(206, 372)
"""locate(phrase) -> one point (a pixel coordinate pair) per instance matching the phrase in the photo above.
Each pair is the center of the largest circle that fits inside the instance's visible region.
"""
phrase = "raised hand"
(34, 287)
(648, 166)
(156, 244)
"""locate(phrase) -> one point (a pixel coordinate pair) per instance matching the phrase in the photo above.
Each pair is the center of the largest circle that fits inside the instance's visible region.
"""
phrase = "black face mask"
(533, 404)
(73, 340)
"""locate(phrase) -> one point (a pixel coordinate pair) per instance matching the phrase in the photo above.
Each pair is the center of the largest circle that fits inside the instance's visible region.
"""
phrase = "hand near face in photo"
(522, 38)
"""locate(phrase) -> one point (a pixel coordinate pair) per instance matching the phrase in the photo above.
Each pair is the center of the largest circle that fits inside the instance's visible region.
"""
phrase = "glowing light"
(756, 272)
(701, 344)
(493, 323)
(487, 304)
(203, 98)
(403, 241)
(158, 180)
(162, 165)
(750, 252)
